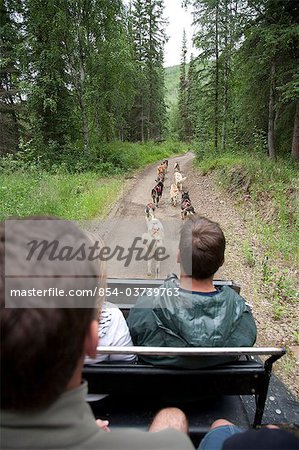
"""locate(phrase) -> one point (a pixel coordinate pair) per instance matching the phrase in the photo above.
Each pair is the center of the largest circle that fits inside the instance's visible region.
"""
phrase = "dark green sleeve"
(141, 322)
(244, 334)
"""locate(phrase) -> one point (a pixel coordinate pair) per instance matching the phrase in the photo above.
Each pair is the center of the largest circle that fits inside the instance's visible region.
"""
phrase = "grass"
(76, 187)
(248, 254)
(268, 194)
(270, 190)
(73, 197)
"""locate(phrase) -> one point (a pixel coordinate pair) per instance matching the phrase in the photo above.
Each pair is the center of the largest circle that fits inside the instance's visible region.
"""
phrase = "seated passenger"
(113, 329)
(191, 311)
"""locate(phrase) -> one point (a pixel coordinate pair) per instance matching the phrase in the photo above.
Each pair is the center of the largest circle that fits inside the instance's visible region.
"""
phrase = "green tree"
(206, 14)
(183, 93)
(148, 36)
(269, 59)
(192, 96)
(248, 73)
(10, 77)
(49, 99)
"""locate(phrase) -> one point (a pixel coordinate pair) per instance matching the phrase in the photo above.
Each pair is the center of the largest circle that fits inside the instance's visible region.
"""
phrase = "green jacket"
(180, 318)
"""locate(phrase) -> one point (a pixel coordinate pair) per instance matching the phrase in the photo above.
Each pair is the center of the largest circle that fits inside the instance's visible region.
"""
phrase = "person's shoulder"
(230, 294)
(170, 283)
(172, 279)
(110, 314)
(227, 291)
(111, 308)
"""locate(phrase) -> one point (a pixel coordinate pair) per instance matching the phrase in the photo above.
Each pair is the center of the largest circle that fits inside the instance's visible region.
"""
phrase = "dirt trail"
(127, 221)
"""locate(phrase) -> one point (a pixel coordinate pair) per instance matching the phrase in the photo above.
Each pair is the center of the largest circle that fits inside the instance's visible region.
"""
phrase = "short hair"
(202, 247)
(41, 346)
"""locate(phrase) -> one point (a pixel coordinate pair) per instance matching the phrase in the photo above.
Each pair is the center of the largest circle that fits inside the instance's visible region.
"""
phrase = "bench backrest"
(241, 377)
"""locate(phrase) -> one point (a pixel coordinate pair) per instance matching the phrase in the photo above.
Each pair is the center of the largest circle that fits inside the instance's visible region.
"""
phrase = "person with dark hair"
(191, 311)
(48, 292)
(224, 435)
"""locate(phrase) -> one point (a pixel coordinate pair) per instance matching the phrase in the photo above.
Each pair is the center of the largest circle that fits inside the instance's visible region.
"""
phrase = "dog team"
(175, 189)
(153, 239)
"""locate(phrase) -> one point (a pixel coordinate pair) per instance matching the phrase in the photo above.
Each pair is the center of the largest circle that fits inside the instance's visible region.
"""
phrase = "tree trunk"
(142, 120)
(216, 110)
(225, 79)
(83, 103)
(271, 121)
(295, 143)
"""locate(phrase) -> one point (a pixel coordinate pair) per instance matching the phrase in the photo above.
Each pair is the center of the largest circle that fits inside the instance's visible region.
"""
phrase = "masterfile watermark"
(54, 250)
(45, 257)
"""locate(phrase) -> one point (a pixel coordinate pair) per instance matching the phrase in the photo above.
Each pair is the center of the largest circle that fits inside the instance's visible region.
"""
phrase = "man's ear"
(91, 339)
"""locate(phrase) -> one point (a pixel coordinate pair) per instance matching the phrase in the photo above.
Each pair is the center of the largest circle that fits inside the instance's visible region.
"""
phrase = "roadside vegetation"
(267, 193)
(77, 186)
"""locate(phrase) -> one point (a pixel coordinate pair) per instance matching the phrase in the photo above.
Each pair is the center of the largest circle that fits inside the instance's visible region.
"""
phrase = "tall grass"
(270, 190)
(73, 197)
(73, 186)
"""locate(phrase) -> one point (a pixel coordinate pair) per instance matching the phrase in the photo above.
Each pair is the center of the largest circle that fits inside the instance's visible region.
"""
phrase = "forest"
(78, 73)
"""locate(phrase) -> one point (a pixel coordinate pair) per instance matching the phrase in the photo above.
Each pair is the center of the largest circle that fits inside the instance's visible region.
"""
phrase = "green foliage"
(279, 288)
(172, 79)
(10, 79)
(296, 337)
(148, 38)
(73, 197)
(270, 191)
(248, 254)
(75, 68)
(289, 363)
(183, 94)
(246, 74)
(27, 188)
(104, 158)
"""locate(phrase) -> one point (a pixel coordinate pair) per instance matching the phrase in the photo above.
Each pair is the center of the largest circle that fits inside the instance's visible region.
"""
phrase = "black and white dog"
(157, 192)
(186, 206)
(149, 211)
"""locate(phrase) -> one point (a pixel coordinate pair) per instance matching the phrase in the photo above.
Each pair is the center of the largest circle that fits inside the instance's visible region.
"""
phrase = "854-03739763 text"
(102, 292)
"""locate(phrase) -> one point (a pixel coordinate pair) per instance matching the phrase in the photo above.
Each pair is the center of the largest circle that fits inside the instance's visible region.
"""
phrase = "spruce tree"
(10, 77)
(148, 35)
(183, 93)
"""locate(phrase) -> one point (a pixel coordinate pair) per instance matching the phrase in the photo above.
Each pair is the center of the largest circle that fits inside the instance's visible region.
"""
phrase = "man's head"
(42, 345)
(201, 248)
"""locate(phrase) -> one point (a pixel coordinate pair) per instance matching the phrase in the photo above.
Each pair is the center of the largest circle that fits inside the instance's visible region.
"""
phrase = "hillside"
(172, 79)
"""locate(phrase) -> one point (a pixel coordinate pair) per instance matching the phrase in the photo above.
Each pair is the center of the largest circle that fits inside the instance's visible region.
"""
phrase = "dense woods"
(78, 73)
(243, 87)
